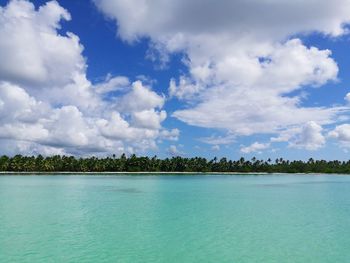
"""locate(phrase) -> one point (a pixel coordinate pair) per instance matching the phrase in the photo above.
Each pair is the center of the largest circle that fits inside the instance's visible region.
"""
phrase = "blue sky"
(191, 78)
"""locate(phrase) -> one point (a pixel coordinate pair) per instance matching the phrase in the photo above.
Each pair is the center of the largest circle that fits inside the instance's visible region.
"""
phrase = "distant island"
(133, 163)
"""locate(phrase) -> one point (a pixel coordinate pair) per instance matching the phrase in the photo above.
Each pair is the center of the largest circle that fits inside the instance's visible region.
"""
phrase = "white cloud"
(342, 134)
(25, 119)
(242, 66)
(172, 135)
(276, 19)
(67, 127)
(255, 147)
(11, 147)
(17, 105)
(257, 103)
(286, 135)
(19, 114)
(117, 128)
(174, 151)
(241, 70)
(218, 140)
(215, 147)
(47, 104)
(112, 84)
(150, 119)
(34, 52)
(310, 137)
(347, 97)
(140, 98)
(184, 89)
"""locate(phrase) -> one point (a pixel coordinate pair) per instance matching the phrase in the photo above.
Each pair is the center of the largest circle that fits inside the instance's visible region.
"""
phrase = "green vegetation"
(133, 163)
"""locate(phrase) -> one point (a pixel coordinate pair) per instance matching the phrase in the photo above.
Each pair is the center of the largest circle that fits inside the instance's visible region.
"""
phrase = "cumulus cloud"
(13, 147)
(242, 67)
(148, 119)
(47, 104)
(258, 103)
(172, 135)
(185, 89)
(255, 147)
(342, 134)
(174, 151)
(140, 98)
(310, 137)
(112, 84)
(35, 54)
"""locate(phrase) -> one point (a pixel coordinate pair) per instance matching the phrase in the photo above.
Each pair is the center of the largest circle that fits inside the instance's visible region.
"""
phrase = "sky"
(225, 78)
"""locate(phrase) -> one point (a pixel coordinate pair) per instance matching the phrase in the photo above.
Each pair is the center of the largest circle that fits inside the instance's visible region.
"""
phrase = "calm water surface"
(270, 218)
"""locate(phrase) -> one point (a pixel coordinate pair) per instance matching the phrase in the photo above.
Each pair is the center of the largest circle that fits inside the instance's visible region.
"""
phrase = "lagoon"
(197, 218)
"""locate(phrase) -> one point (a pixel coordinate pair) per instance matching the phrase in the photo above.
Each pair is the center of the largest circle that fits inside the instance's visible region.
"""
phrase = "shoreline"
(161, 173)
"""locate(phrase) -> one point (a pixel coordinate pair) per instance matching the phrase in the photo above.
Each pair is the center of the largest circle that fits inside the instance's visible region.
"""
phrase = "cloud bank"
(247, 73)
(245, 59)
(47, 104)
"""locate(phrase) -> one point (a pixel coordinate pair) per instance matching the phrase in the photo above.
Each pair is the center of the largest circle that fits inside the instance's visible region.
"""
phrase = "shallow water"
(267, 218)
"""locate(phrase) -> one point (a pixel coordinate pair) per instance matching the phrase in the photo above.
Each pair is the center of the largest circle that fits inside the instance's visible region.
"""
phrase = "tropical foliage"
(133, 163)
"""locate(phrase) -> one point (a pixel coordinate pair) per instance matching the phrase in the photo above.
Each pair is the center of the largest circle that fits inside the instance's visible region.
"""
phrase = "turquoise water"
(269, 218)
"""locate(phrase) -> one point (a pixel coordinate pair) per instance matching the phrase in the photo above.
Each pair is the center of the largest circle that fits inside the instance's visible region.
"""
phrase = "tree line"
(133, 163)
